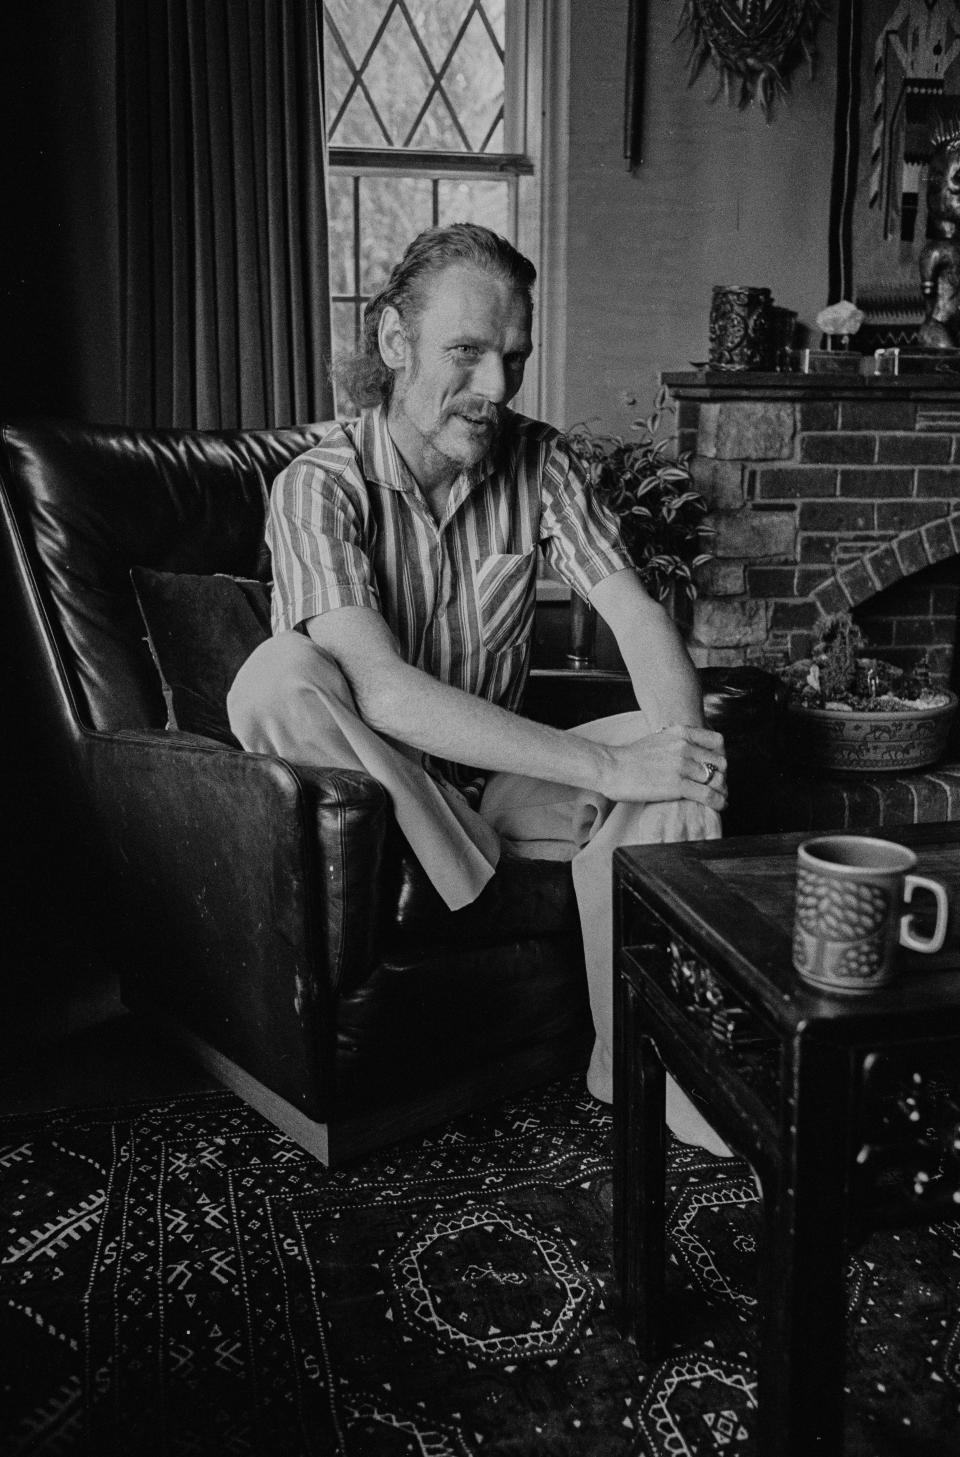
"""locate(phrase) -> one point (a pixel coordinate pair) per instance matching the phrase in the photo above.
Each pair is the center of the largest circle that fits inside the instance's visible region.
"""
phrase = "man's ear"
(392, 339)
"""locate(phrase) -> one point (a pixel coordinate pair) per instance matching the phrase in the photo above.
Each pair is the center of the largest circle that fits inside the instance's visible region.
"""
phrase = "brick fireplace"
(831, 492)
(826, 492)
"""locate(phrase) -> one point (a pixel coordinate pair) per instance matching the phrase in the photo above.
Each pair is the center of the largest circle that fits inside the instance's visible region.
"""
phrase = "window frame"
(536, 76)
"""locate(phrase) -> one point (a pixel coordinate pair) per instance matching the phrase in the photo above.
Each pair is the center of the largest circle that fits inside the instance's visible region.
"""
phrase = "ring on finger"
(711, 770)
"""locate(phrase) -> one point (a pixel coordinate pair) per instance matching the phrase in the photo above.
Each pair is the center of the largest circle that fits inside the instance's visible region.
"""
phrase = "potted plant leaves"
(650, 488)
(852, 712)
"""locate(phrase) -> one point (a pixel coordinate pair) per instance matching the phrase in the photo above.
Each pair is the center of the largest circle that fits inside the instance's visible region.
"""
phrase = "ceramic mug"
(849, 921)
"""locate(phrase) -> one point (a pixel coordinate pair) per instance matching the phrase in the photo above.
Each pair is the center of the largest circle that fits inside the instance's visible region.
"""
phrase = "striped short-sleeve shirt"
(348, 526)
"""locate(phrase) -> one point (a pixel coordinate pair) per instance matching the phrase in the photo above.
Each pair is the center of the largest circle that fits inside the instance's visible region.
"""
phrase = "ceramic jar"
(741, 328)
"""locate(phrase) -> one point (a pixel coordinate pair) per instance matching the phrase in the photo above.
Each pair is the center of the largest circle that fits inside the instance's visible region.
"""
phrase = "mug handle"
(908, 936)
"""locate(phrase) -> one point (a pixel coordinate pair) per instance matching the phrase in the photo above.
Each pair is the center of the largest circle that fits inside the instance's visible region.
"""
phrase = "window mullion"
(515, 78)
(543, 230)
(357, 307)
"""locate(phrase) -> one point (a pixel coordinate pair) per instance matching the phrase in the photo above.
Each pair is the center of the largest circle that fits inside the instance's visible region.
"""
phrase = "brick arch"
(888, 563)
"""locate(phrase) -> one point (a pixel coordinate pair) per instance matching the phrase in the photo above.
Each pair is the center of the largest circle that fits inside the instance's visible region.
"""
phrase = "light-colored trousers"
(291, 699)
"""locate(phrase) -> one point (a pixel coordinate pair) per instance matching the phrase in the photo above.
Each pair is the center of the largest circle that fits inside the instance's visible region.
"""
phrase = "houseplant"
(650, 488)
(853, 712)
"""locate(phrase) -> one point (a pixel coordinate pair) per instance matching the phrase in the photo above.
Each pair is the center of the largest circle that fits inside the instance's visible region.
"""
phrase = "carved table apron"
(844, 1105)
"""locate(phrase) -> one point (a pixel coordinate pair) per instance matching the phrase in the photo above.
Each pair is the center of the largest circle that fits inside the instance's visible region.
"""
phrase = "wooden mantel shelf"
(745, 384)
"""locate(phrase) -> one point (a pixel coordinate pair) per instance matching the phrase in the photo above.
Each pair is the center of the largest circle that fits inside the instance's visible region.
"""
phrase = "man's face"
(459, 372)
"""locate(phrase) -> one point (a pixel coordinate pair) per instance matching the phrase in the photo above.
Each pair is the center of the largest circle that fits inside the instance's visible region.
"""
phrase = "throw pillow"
(200, 631)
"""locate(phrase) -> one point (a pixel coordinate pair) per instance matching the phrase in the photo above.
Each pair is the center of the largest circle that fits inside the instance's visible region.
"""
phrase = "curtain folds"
(223, 213)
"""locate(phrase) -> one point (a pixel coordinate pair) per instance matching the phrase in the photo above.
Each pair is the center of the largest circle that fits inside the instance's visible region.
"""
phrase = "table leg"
(802, 1274)
(639, 1176)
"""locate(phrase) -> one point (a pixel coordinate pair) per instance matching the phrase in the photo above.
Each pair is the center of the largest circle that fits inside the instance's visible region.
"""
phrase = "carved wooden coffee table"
(838, 1103)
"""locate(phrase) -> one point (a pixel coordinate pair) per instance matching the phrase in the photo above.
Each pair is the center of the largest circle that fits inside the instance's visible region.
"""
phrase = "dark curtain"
(226, 313)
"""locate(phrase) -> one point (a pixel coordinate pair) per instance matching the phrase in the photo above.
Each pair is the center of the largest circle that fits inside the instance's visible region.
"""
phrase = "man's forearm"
(406, 704)
(664, 678)
(415, 708)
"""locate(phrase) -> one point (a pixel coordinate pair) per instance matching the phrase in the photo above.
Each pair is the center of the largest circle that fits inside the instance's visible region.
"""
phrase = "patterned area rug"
(178, 1278)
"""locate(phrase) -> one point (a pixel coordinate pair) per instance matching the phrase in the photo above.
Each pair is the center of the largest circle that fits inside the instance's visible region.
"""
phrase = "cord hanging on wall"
(753, 44)
(636, 49)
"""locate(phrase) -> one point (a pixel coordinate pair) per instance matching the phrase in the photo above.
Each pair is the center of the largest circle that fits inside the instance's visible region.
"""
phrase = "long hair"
(363, 376)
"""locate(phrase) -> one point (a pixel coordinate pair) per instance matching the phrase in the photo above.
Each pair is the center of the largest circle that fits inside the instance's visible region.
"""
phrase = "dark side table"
(844, 1106)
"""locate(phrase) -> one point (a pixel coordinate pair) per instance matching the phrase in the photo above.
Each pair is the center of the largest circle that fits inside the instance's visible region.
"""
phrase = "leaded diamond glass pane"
(466, 83)
(357, 21)
(437, 129)
(398, 79)
(362, 126)
(415, 73)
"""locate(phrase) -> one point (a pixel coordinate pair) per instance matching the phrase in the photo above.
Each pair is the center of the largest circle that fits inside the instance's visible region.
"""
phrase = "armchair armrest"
(242, 887)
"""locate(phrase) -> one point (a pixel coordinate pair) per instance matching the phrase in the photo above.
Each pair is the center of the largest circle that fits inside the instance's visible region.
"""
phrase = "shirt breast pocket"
(505, 586)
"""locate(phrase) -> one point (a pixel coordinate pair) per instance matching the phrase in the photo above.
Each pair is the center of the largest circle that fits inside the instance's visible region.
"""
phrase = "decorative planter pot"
(868, 743)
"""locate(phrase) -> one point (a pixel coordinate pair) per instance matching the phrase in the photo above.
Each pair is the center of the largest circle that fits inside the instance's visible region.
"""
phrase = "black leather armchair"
(268, 915)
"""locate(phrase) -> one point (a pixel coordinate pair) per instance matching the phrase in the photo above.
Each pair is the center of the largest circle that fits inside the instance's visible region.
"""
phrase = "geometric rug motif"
(178, 1278)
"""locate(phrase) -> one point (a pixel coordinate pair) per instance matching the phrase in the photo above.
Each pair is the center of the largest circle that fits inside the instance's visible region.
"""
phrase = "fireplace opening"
(916, 617)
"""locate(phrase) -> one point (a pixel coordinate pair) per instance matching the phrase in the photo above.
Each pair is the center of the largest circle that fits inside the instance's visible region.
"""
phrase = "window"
(434, 116)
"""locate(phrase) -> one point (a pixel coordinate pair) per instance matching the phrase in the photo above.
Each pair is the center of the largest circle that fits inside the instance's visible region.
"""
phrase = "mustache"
(480, 410)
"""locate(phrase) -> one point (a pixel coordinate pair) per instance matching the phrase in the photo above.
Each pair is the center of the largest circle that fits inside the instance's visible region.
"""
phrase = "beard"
(465, 432)
(479, 429)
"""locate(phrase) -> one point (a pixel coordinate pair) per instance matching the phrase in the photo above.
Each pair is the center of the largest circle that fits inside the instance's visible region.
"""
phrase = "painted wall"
(721, 197)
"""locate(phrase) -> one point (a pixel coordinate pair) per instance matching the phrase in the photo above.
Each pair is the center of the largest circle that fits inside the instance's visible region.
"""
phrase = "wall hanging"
(753, 44)
(898, 80)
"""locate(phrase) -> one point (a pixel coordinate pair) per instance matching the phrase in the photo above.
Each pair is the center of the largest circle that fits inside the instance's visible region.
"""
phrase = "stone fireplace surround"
(830, 493)
(826, 492)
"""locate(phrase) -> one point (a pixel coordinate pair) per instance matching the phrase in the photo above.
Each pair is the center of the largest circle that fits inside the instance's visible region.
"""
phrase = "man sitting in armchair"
(405, 552)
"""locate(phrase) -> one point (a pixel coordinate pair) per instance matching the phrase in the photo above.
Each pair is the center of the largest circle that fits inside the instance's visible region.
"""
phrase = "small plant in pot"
(849, 711)
(651, 490)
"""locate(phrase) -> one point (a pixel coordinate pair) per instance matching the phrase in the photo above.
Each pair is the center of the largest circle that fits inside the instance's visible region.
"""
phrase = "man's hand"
(677, 763)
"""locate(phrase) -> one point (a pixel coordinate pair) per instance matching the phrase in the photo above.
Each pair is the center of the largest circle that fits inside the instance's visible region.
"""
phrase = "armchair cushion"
(201, 629)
